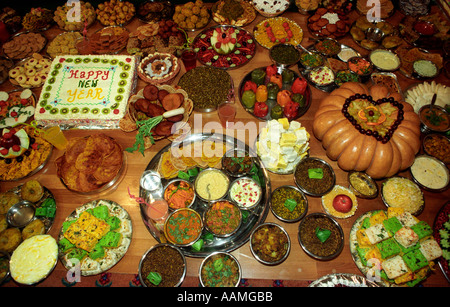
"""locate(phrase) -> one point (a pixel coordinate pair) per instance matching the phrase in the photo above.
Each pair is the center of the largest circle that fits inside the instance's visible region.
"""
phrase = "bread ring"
(32, 191)
(36, 227)
(7, 200)
(3, 222)
(9, 239)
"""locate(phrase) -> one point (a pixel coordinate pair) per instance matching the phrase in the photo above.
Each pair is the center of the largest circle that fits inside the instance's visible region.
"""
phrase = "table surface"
(298, 266)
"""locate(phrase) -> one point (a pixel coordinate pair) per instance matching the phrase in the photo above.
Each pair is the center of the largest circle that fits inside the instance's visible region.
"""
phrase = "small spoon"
(433, 100)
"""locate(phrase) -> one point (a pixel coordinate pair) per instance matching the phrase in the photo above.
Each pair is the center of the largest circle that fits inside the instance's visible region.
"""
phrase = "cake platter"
(253, 216)
(228, 55)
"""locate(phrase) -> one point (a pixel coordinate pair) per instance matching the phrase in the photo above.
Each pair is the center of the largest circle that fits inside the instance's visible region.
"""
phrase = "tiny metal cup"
(150, 182)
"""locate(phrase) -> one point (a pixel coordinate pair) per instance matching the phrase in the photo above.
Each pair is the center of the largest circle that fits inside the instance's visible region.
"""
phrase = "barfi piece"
(377, 233)
(101, 212)
(406, 237)
(430, 249)
(422, 229)
(415, 260)
(388, 248)
(407, 219)
(97, 252)
(113, 221)
(111, 239)
(394, 267)
(392, 225)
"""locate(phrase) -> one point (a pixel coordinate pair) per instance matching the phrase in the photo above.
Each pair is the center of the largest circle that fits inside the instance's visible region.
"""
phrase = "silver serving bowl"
(255, 253)
(216, 255)
(287, 47)
(209, 210)
(152, 249)
(390, 54)
(20, 214)
(202, 173)
(309, 252)
(367, 180)
(387, 204)
(304, 189)
(174, 181)
(240, 205)
(417, 180)
(277, 214)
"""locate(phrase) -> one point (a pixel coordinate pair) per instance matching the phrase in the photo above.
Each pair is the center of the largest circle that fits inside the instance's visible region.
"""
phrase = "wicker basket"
(151, 57)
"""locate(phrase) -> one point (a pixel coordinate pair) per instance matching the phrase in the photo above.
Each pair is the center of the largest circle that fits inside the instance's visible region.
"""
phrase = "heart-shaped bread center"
(374, 118)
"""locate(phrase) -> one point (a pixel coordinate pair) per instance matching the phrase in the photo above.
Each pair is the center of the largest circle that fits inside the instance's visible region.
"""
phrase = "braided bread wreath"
(368, 129)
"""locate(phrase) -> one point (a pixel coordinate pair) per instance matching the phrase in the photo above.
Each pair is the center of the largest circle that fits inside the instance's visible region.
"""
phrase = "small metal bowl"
(202, 173)
(319, 70)
(256, 254)
(363, 178)
(374, 34)
(279, 215)
(326, 54)
(219, 255)
(240, 204)
(174, 182)
(387, 204)
(304, 189)
(424, 127)
(169, 220)
(444, 158)
(210, 210)
(152, 249)
(302, 66)
(20, 214)
(236, 153)
(303, 243)
(287, 48)
(419, 75)
(415, 174)
(388, 53)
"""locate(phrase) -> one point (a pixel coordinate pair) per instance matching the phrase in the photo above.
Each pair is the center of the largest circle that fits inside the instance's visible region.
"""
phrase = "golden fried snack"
(7, 200)
(9, 239)
(32, 191)
(3, 222)
(36, 227)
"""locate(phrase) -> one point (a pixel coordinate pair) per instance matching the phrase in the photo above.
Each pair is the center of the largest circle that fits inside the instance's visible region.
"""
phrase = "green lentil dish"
(285, 54)
(288, 204)
(207, 87)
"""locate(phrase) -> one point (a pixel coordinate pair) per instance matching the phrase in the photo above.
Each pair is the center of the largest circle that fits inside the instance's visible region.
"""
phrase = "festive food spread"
(365, 147)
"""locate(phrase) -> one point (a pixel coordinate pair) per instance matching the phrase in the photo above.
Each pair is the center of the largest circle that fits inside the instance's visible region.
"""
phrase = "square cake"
(87, 91)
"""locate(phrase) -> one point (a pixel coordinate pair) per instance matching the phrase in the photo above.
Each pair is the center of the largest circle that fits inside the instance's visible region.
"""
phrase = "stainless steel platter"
(253, 217)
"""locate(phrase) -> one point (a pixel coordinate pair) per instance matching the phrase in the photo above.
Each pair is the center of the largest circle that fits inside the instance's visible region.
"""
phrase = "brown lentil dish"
(223, 218)
(438, 146)
(312, 185)
(279, 197)
(166, 261)
(307, 233)
(206, 86)
(328, 47)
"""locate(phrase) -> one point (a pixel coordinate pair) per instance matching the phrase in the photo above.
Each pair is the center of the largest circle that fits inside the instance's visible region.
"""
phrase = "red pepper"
(261, 109)
(250, 85)
(299, 86)
(290, 110)
(271, 70)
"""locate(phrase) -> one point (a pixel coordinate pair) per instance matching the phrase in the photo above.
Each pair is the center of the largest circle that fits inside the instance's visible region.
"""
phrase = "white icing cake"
(87, 91)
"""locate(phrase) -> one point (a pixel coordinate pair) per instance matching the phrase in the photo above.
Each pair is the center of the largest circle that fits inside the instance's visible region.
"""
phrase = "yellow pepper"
(261, 93)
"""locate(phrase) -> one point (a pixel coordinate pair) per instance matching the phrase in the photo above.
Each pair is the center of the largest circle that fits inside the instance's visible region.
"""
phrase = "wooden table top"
(298, 266)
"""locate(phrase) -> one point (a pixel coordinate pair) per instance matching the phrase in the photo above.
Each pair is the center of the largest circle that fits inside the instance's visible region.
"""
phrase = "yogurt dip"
(385, 60)
(245, 192)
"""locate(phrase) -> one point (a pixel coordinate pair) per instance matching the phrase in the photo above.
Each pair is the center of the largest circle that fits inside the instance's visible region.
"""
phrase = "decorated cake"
(87, 91)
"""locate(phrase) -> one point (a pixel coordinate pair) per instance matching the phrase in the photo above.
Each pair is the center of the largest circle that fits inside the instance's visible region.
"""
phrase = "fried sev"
(90, 163)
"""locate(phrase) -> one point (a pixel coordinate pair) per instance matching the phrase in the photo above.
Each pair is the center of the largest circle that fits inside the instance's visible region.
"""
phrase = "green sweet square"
(111, 239)
(415, 260)
(388, 248)
(64, 245)
(422, 229)
(101, 212)
(392, 225)
(113, 222)
(97, 252)
(41, 211)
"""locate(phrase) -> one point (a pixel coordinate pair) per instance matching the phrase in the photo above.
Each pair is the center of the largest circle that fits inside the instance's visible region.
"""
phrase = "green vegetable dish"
(220, 270)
